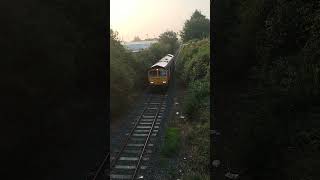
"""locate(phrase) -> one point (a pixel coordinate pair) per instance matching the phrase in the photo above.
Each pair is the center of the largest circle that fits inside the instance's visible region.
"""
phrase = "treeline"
(275, 42)
(193, 69)
(128, 71)
(53, 89)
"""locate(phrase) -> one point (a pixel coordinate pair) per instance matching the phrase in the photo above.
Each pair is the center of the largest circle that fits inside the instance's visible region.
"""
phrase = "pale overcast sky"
(149, 18)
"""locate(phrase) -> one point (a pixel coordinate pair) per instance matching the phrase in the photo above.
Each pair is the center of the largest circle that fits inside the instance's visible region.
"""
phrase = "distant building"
(138, 46)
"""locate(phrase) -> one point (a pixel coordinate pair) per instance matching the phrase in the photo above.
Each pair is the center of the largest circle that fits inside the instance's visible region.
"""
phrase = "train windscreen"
(153, 73)
(162, 73)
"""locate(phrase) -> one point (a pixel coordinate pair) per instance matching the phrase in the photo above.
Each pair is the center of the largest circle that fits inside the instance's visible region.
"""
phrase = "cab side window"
(163, 73)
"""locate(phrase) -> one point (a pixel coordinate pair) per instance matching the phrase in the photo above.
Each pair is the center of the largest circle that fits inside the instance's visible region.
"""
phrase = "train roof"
(164, 61)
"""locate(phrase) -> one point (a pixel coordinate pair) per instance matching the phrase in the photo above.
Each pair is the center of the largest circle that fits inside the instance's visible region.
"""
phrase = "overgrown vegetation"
(193, 68)
(125, 75)
(277, 41)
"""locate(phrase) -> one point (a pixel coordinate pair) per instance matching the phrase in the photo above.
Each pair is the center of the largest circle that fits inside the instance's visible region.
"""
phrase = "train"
(160, 74)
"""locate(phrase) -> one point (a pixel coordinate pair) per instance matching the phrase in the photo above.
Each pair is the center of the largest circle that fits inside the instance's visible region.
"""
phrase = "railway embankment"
(184, 151)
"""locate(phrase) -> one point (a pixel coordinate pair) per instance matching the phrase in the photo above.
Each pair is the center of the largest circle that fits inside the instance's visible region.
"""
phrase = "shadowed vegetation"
(193, 68)
(272, 48)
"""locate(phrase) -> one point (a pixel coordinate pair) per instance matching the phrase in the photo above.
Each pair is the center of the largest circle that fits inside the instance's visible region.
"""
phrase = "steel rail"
(130, 134)
(126, 142)
(147, 140)
(101, 166)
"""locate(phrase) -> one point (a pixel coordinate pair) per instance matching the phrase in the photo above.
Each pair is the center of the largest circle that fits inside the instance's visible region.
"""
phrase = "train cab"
(160, 73)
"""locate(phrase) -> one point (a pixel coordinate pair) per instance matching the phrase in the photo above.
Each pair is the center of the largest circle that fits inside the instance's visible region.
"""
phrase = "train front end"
(158, 77)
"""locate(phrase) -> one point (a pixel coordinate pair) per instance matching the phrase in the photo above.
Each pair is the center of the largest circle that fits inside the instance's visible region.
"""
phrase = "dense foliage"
(197, 27)
(277, 41)
(193, 65)
(125, 75)
(193, 68)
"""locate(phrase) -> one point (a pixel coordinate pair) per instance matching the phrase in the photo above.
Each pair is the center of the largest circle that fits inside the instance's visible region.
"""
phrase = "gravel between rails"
(117, 136)
(155, 171)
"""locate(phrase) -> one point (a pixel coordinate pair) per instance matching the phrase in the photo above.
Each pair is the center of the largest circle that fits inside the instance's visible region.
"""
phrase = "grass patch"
(164, 162)
(171, 142)
(196, 177)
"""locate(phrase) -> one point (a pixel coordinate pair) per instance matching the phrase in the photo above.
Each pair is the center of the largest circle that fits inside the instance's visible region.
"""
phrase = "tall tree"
(197, 27)
(170, 39)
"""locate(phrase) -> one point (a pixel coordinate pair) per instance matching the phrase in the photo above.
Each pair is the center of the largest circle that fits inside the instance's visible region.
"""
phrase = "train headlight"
(151, 82)
(164, 82)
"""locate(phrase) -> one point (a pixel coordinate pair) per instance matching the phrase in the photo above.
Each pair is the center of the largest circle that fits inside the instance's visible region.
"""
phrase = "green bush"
(193, 66)
(197, 96)
(125, 75)
(171, 142)
(194, 60)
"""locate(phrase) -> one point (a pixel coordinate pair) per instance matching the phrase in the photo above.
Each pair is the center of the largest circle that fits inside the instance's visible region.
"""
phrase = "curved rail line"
(101, 167)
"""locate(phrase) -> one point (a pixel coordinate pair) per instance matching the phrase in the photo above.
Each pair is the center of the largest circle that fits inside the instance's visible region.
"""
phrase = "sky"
(150, 18)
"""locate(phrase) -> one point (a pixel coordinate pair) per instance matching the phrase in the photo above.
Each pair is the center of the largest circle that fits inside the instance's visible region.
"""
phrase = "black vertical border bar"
(107, 60)
(211, 88)
(215, 142)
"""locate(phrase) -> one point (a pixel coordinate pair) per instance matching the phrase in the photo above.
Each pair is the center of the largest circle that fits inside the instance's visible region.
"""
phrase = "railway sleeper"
(126, 167)
(134, 151)
(146, 127)
(144, 131)
(126, 170)
(147, 123)
(120, 176)
(142, 139)
(151, 117)
(126, 158)
(143, 135)
(138, 145)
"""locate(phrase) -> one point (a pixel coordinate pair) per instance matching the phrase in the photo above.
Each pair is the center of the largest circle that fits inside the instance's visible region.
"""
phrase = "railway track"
(130, 160)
